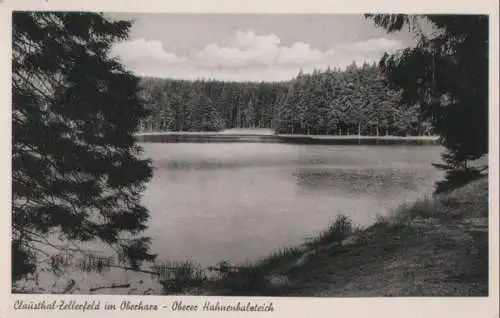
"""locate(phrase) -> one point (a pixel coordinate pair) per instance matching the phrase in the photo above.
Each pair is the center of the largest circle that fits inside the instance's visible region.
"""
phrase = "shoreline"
(253, 137)
(391, 257)
(252, 134)
(431, 247)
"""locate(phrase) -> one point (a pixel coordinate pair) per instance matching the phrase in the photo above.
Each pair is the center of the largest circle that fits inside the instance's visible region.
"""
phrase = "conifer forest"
(356, 101)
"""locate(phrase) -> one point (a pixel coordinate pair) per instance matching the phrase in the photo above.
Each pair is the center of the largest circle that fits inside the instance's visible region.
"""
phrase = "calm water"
(241, 201)
(238, 202)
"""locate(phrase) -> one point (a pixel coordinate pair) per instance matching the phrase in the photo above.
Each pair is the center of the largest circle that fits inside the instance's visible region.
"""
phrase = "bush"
(423, 208)
(338, 231)
(455, 179)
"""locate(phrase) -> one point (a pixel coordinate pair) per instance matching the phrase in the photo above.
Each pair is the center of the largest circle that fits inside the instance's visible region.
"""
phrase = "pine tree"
(76, 172)
(446, 74)
(355, 101)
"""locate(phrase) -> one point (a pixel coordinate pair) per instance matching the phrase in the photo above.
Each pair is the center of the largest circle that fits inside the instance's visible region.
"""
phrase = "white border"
(284, 307)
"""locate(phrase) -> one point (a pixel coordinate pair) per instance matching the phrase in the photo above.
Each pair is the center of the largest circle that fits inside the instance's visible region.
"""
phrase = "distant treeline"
(355, 101)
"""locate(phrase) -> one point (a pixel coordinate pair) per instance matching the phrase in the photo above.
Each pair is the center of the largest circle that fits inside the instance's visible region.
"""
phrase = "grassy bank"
(435, 247)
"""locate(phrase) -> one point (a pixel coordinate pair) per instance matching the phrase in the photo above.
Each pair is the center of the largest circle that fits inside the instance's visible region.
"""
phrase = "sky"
(250, 47)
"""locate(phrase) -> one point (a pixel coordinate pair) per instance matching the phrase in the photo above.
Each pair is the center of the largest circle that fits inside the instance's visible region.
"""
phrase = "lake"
(239, 202)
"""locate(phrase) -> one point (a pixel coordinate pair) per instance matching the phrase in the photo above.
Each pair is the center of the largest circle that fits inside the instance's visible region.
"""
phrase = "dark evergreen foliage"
(76, 173)
(447, 74)
(357, 101)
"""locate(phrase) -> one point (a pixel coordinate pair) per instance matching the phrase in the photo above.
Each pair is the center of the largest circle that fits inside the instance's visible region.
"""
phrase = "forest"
(356, 101)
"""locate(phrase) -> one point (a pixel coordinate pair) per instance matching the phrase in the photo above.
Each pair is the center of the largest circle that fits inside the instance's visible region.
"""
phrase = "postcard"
(192, 158)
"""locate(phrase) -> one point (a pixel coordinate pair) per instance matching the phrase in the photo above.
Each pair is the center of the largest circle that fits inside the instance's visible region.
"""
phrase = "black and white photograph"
(250, 154)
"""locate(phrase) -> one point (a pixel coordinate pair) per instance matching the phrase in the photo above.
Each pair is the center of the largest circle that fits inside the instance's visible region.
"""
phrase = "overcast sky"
(252, 47)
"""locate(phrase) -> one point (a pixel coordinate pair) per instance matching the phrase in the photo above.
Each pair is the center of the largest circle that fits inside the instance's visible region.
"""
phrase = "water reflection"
(352, 180)
(239, 202)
